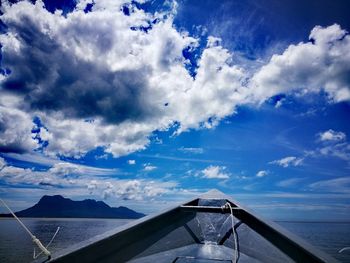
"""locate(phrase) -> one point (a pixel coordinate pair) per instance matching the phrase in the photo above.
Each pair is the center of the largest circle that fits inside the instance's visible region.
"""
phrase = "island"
(57, 206)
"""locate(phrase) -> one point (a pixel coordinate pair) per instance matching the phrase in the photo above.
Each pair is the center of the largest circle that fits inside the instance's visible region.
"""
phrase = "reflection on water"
(16, 245)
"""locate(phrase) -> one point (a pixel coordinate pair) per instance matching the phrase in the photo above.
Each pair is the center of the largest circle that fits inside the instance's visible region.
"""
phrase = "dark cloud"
(51, 79)
(33, 64)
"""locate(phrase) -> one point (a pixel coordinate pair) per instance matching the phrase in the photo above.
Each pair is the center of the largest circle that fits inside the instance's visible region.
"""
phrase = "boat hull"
(200, 231)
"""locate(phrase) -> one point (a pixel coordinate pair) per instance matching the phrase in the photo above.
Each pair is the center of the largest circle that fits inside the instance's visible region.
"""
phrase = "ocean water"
(16, 245)
(329, 237)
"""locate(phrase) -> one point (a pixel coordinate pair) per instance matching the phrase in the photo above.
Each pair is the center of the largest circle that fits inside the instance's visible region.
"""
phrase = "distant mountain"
(58, 206)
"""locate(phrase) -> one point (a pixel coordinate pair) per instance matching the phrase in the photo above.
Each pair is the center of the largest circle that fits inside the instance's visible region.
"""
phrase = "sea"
(16, 245)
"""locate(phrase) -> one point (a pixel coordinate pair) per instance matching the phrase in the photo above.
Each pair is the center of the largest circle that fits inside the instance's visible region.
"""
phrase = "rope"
(19, 221)
(36, 256)
(235, 259)
(34, 239)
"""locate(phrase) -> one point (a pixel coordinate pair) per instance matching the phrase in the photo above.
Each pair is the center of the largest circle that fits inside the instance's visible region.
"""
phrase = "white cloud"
(215, 172)
(131, 162)
(129, 190)
(262, 173)
(148, 167)
(80, 178)
(337, 185)
(279, 103)
(288, 161)
(61, 174)
(194, 150)
(139, 83)
(289, 182)
(333, 144)
(91, 186)
(16, 176)
(152, 190)
(309, 67)
(15, 130)
(108, 190)
(135, 75)
(103, 156)
(214, 41)
(33, 158)
(137, 189)
(331, 135)
(339, 150)
(65, 168)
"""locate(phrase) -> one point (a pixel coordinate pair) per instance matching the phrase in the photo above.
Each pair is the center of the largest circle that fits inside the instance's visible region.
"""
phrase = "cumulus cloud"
(215, 172)
(105, 79)
(331, 135)
(321, 64)
(64, 169)
(288, 161)
(15, 130)
(137, 189)
(131, 162)
(139, 82)
(262, 173)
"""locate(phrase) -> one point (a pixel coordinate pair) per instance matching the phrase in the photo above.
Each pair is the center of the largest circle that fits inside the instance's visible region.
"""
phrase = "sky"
(147, 104)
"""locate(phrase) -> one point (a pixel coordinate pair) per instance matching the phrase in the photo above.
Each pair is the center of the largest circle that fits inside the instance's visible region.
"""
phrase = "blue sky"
(149, 103)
